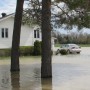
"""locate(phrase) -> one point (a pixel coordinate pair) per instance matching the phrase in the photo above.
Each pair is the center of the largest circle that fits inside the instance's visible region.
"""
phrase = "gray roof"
(12, 14)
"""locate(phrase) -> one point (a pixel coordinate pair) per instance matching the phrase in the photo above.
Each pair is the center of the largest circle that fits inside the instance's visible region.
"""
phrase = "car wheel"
(78, 52)
(68, 51)
(57, 52)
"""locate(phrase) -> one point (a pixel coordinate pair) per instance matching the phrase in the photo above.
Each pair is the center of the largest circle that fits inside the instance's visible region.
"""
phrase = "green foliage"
(73, 4)
(32, 15)
(78, 38)
(31, 50)
(80, 17)
(37, 48)
(73, 13)
(63, 52)
(26, 50)
(5, 52)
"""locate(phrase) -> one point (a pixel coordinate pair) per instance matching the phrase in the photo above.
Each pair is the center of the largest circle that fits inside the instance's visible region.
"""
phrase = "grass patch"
(57, 45)
(5, 58)
(82, 45)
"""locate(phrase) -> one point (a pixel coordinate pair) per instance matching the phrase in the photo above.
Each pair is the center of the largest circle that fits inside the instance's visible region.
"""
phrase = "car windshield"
(69, 45)
(73, 45)
(64, 45)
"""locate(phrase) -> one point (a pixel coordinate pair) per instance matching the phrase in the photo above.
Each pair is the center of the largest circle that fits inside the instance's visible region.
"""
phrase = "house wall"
(34, 39)
(6, 42)
(26, 37)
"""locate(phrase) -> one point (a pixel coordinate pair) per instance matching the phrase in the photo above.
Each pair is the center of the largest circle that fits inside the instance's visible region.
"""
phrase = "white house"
(28, 33)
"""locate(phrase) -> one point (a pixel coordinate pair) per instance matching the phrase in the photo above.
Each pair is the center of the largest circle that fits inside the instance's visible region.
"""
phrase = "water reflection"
(46, 83)
(4, 81)
(70, 72)
(15, 80)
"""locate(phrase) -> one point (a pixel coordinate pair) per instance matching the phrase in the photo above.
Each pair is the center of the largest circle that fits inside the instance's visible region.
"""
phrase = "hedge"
(24, 50)
(37, 48)
(63, 52)
(5, 52)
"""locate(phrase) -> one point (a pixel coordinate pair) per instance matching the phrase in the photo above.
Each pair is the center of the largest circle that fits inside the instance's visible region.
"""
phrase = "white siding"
(26, 38)
(34, 39)
(6, 42)
(27, 34)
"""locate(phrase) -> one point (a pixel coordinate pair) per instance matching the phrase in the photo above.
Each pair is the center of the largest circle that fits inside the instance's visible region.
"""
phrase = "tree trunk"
(16, 36)
(46, 65)
(46, 82)
(15, 80)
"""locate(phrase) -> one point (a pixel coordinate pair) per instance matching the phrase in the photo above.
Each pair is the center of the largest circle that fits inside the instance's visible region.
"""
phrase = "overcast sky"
(8, 6)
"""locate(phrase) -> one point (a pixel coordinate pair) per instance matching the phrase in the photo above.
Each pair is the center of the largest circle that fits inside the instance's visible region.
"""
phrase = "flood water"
(70, 72)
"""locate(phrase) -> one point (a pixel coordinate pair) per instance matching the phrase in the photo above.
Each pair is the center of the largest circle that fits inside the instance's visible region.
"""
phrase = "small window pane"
(6, 32)
(38, 34)
(34, 33)
(2, 32)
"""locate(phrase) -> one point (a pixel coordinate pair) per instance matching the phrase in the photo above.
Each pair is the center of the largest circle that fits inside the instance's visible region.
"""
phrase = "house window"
(36, 34)
(4, 32)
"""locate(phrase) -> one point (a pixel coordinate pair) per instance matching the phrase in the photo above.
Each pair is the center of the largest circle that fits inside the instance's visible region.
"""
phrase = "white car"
(70, 48)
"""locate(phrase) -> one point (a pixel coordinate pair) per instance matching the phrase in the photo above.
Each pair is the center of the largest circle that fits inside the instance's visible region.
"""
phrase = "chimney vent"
(3, 14)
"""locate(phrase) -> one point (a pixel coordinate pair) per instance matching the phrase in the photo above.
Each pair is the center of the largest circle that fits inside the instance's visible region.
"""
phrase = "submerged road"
(70, 72)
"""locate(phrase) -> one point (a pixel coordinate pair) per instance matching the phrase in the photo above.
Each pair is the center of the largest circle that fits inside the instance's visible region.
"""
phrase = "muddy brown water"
(70, 72)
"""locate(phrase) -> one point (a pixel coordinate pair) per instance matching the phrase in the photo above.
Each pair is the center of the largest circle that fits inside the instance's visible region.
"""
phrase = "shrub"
(63, 52)
(23, 51)
(57, 52)
(26, 50)
(5, 52)
(37, 48)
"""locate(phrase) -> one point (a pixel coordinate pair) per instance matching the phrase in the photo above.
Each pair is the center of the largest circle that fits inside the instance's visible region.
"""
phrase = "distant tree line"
(78, 38)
